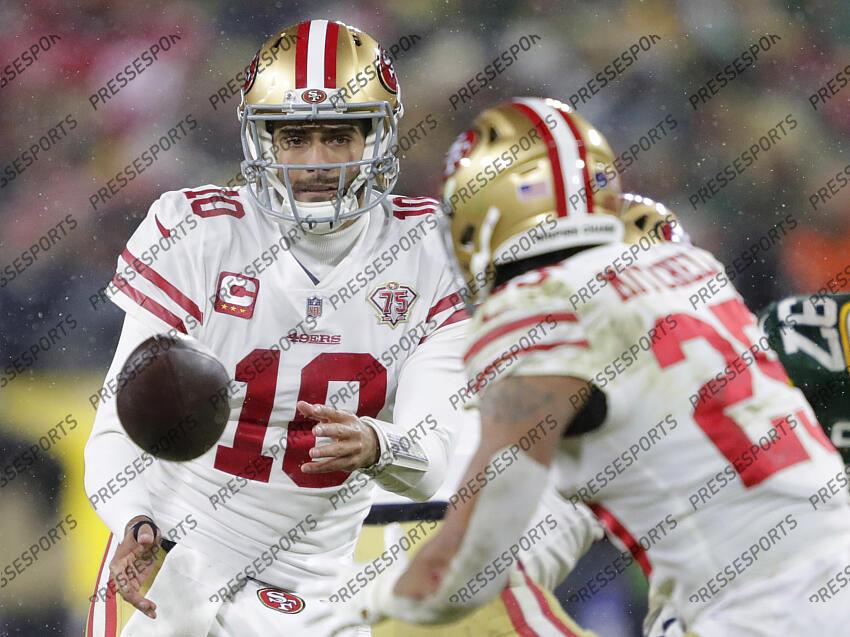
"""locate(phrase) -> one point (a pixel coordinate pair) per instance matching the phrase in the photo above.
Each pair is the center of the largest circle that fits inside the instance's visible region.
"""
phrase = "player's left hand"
(354, 444)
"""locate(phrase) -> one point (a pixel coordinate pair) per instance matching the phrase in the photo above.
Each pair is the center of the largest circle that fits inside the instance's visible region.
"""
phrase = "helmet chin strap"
(308, 210)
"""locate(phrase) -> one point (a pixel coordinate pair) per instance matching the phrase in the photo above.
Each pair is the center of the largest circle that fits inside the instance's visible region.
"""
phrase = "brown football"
(172, 399)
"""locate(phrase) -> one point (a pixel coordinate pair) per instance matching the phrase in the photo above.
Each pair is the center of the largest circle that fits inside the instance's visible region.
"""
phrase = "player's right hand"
(134, 561)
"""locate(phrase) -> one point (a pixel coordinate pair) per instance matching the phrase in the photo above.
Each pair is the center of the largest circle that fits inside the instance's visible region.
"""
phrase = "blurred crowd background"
(455, 40)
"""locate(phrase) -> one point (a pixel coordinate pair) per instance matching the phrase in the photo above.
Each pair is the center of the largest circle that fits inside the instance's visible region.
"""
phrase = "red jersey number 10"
(259, 370)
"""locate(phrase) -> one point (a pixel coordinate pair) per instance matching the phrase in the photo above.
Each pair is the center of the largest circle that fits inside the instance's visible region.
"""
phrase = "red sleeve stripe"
(404, 214)
(413, 202)
(545, 608)
(192, 194)
(444, 303)
(413, 207)
(148, 303)
(522, 351)
(616, 528)
(489, 337)
(457, 316)
(159, 281)
(422, 205)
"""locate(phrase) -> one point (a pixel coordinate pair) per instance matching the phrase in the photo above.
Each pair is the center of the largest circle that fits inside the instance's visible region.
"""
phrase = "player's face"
(320, 143)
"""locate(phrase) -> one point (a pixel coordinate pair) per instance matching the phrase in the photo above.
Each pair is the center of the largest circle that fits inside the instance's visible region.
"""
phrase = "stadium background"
(454, 40)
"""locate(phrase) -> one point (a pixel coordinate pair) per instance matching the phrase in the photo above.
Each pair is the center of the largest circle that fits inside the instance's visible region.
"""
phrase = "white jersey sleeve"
(423, 414)
(446, 307)
(160, 278)
(422, 411)
(159, 282)
(112, 461)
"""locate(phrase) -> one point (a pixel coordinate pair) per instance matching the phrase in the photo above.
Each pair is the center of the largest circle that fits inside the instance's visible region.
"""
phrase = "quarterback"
(299, 282)
(706, 392)
(314, 286)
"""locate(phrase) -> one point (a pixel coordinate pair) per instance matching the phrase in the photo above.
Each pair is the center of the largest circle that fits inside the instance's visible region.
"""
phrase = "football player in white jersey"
(312, 284)
(302, 283)
(702, 457)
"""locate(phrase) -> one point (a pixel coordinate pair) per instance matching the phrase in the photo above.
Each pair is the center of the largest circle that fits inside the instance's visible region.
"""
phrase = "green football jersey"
(810, 334)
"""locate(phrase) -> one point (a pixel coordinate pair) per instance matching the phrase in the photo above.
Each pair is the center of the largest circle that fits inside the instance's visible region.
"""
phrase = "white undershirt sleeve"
(420, 438)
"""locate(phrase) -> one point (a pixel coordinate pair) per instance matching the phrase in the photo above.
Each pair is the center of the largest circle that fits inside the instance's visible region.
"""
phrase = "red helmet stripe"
(554, 159)
(330, 54)
(582, 152)
(301, 55)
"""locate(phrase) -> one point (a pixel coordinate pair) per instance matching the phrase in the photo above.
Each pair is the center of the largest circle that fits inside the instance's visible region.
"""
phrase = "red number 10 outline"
(259, 369)
(710, 412)
(217, 202)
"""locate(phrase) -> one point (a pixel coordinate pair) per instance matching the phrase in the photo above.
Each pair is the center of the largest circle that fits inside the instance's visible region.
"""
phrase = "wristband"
(138, 525)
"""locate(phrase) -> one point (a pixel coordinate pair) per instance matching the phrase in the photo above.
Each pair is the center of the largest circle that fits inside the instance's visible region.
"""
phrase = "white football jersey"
(702, 449)
(206, 262)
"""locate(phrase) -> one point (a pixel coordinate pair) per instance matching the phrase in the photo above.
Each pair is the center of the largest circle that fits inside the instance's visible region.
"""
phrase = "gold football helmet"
(313, 71)
(531, 176)
(643, 217)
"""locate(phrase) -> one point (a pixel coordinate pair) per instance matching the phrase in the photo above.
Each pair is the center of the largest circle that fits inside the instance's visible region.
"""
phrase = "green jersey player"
(811, 334)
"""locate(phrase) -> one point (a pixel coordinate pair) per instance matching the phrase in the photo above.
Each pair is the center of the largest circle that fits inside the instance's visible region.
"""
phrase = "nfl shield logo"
(314, 307)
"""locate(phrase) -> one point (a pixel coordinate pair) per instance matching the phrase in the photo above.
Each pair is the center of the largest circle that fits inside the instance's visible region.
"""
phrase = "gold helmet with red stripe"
(530, 177)
(313, 71)
(644, 218)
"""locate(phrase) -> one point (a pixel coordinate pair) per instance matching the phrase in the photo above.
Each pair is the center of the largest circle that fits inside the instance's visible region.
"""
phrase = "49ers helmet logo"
(314, 96)
(386, 71)
(460, 148)
(281, 601)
